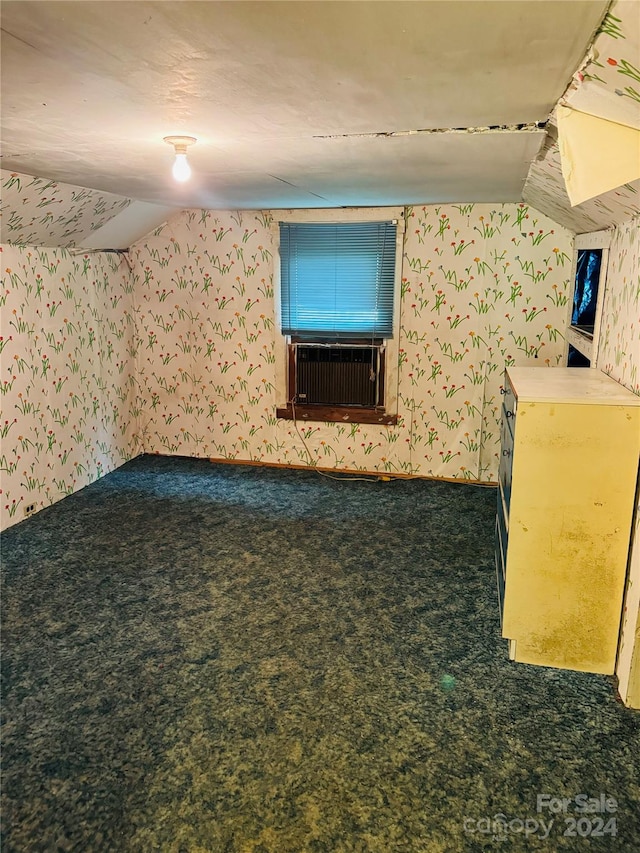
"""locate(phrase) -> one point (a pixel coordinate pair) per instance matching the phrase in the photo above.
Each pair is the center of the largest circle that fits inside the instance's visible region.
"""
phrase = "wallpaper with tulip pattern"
(483, 286)
(619, 356)
(51, 213)
(613, 67)
(67, 386)
(619, 347)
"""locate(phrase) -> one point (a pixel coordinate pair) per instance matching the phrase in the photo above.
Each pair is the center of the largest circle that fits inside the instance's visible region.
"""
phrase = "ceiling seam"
(526, 127)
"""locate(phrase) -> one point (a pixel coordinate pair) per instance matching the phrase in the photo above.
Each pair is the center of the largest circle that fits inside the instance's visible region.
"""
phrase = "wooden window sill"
(338, 414)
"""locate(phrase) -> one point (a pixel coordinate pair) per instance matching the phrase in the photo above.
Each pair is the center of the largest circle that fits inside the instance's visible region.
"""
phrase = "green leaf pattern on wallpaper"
(616, 50)
(619, 356)
(619, 347)
(67, 384)
(36, 211)
(483, 286)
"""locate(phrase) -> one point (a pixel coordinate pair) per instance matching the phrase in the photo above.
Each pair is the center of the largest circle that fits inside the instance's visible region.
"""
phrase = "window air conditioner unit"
(338, 375)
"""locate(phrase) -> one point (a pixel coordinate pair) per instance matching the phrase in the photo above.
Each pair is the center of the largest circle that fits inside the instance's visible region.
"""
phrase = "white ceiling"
(291, 102)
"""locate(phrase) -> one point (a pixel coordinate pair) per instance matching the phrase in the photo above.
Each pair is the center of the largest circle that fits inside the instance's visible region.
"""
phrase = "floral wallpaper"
(619, 356)
(619, 345)
(611, 77)
(483, 286)
(37, 211)
(67, 390)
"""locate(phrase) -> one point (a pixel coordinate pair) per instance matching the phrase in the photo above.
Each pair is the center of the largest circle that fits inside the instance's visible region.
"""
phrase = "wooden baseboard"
(351, 472)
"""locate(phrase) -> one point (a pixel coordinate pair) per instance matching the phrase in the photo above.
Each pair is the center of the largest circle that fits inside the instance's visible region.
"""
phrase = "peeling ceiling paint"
(504, 128)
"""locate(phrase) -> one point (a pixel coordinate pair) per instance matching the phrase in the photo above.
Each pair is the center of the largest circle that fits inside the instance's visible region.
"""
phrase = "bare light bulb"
(181, 170)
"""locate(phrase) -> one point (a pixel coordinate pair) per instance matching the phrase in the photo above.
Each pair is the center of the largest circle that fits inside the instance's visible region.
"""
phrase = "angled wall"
(67, 385)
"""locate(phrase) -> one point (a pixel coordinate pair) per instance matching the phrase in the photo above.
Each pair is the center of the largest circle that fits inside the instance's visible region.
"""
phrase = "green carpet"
(233, 659)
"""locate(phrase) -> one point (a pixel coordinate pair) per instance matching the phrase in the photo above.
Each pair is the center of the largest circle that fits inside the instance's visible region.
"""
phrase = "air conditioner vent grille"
(337, 375)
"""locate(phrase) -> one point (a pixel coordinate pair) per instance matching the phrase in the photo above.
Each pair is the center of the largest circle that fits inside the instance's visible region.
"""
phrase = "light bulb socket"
(180, 143)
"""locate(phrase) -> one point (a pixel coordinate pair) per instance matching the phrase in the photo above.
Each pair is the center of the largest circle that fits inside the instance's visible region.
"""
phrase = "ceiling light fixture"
(181, 170)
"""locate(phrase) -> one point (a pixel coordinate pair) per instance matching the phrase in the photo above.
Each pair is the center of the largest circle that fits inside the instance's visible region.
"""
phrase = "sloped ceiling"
(607, 86)
(545, 190)
(39, 211)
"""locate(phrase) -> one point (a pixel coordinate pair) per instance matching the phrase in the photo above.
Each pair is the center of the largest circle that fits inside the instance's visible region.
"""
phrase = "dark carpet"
(221, 658)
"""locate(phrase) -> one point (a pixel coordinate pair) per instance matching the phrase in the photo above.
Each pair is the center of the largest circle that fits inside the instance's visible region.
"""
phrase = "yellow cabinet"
(570, 445)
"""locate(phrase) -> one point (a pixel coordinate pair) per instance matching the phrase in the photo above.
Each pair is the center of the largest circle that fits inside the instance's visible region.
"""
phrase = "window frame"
(584, 343)
(384, 415)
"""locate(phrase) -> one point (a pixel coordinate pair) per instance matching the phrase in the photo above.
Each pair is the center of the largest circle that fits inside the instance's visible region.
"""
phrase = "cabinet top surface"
(569, 385)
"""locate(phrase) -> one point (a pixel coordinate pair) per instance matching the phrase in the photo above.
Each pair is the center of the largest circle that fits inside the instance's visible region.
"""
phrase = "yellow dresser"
(570, 445)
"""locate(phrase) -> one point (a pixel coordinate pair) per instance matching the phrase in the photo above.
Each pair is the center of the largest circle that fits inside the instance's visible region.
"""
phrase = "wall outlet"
(29, 509)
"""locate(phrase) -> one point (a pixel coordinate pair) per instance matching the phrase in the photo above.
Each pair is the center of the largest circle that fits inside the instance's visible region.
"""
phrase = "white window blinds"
(337, 279)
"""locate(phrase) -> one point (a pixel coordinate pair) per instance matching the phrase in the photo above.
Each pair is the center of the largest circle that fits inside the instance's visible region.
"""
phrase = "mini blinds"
(337, 279)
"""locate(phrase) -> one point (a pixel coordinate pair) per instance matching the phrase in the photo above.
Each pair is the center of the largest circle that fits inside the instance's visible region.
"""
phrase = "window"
(337, 297)
(585, 294)
(337, 279)
(590, 267)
